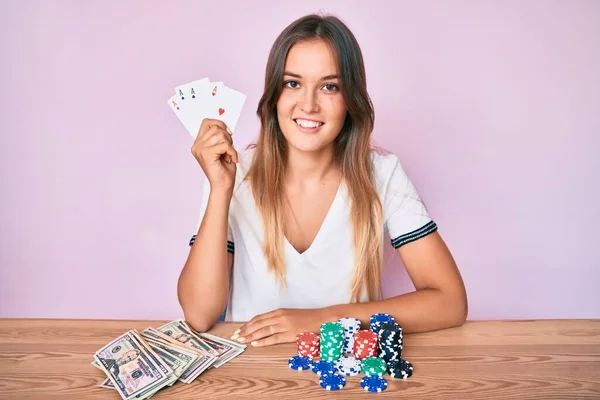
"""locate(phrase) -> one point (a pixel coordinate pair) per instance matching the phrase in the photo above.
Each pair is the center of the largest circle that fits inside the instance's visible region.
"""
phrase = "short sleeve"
(203, 205)
(405, 216)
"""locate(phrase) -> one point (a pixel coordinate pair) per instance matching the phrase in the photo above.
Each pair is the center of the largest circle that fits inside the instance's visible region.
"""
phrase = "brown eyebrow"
(325, 78)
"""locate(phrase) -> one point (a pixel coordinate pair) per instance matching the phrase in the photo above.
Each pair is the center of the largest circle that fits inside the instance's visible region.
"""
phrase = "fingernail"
(255, 343)
(241, 339)
(235, 336)
(236, 332)
(229, 131)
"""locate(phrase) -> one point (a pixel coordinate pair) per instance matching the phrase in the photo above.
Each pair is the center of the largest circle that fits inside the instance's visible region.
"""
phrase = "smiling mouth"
(305, 123)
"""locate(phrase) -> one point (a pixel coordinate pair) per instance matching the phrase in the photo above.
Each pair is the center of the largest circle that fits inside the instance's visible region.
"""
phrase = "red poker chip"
(365, 344)
(308, 344)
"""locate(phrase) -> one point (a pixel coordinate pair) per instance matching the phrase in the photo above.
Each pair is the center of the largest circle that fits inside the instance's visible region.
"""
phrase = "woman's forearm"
(203, 287)
(419, 311)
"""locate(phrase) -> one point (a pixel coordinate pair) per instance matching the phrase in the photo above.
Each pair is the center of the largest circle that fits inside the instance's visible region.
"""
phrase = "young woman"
(291, 229)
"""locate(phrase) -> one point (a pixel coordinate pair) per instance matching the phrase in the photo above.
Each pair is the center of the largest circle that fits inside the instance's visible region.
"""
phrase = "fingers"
(251, 325)
(207, 124)
(217, 141)
(271, 340)
(225, 150)
(262, 333)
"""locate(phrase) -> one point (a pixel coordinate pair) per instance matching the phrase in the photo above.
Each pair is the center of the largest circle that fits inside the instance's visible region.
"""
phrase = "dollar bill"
(182, 359)
(196, 366)
(227, 350)
(176, 360)
(207, 355)
(139, 364)
(131, 368)
(180, 331)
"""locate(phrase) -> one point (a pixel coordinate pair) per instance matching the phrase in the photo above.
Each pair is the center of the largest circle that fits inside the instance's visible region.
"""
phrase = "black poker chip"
(400, 369)
(390, 341)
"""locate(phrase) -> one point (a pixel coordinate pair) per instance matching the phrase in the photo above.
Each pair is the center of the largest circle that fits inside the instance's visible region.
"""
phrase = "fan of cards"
(197, 100)
(139, 364)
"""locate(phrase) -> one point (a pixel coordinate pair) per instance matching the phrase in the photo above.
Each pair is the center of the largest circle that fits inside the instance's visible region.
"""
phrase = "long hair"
(352, 152)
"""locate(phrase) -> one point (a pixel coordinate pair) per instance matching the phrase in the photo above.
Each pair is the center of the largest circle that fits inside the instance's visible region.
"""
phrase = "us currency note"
(139, 364)
(185, 358)
(131, 368)
(179, 332)
(226, 349)
(176, 360)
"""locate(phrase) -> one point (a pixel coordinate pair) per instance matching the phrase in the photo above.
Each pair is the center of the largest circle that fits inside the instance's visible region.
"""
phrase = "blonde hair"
(352, 153)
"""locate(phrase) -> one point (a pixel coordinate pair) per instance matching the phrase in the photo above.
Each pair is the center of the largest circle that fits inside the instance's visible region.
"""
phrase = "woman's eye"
(331, 87)
(291, 84)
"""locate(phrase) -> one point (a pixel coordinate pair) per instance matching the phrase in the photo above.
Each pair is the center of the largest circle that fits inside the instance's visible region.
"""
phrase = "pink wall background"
(493, 106)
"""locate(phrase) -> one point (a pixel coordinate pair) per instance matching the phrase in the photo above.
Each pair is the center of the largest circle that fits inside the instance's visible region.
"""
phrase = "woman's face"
(311, 109)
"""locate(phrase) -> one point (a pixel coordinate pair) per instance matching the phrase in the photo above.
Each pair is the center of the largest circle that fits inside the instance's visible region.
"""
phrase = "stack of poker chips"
(378, 319)
(351, 326)
(308, 344)
(374, 352)
(332, 341)
(390, 342)
(365, 344)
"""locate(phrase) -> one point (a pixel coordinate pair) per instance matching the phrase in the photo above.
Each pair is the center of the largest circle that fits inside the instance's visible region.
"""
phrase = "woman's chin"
(308, 144)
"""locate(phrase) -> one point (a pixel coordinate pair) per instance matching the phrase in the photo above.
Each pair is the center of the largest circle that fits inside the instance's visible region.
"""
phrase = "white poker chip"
(348, 366)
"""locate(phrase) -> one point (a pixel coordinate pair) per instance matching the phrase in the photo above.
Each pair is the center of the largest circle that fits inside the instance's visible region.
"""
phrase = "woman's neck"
(310, 167)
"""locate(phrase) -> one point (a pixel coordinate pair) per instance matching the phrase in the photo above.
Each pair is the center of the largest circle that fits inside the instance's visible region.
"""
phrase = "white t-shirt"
(321, 276)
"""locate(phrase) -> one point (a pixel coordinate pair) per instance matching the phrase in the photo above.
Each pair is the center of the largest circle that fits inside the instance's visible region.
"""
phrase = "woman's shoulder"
(388, 172)
(384, 162)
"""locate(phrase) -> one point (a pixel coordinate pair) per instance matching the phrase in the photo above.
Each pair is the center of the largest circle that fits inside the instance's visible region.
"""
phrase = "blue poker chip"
(300, 363)
(378, 319)
(373, 384)
(323, 367)
(332, 381)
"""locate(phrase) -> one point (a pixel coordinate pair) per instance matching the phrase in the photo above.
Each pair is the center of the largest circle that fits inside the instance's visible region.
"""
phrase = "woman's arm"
(440, 300)
(203, 286)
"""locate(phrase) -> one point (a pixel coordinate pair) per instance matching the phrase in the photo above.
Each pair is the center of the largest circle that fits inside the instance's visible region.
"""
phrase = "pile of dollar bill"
(139, 364)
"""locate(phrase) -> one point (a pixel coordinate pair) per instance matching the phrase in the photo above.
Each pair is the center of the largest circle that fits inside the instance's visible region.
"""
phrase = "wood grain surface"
(560, 359)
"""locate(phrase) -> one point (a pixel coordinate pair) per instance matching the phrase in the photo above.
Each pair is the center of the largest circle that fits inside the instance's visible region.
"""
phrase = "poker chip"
(331, 341)
(390, 341)
(351, 326)
(347, 350)
(373, 384)
(332, 381)
(323, 367)
(348, 366)
(374, 366)
(308, 344)
(365, 344)
(378, 319)
(400, 369)
(300, 363)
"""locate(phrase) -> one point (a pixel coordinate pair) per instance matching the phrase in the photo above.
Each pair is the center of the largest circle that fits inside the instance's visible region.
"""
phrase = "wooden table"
(50, 359)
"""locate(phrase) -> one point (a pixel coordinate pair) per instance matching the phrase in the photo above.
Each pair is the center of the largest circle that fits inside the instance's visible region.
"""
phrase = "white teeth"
(308, 124)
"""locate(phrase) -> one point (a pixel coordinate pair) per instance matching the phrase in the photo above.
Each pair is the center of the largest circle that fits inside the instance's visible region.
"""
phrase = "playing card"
(175, 105)
(187, 90)
(222, 103)
(196, 100)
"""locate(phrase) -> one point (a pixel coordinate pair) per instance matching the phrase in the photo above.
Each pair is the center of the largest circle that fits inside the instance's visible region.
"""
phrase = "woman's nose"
(309, 103)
